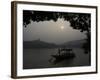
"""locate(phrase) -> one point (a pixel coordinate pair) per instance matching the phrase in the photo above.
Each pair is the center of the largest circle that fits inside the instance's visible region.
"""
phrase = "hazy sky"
(53, 32)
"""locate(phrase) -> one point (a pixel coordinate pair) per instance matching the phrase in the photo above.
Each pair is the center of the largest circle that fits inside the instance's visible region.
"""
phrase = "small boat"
(68, 56)
(64, 54)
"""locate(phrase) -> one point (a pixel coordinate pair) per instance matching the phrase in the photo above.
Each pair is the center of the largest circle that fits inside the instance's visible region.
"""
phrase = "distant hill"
(42, 44)
(38, 44)
(75, 43)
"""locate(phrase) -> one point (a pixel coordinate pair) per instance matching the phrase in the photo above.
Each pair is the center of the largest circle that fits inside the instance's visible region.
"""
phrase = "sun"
(62, 27)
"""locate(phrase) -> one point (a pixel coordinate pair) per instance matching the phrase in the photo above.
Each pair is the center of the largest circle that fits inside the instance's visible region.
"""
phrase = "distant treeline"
(42, 44)
(38, 44)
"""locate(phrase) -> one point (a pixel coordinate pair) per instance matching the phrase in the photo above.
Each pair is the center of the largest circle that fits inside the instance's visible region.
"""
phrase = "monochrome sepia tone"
(56, 39)
(52, 39)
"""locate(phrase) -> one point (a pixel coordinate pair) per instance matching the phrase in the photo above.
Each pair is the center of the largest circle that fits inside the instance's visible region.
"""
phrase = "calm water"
(41, 58)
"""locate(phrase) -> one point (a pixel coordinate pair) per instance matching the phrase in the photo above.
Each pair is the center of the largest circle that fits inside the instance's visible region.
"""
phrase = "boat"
(64, 53)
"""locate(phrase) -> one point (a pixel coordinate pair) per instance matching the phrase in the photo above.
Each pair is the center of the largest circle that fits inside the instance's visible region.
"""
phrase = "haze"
(53, 32)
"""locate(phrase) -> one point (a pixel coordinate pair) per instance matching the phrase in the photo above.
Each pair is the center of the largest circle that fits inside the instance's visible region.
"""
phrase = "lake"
(41, 58)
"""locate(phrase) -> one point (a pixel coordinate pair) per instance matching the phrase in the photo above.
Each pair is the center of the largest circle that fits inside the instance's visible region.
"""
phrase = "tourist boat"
(64, 54)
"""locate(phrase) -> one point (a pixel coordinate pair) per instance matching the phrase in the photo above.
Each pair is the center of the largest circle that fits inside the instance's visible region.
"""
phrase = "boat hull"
(61, 57)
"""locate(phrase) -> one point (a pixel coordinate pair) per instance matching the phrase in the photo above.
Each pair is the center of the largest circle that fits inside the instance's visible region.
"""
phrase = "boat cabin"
(64, 51)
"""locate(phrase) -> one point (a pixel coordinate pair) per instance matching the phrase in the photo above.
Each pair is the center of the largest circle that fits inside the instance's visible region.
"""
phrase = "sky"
(53, 32)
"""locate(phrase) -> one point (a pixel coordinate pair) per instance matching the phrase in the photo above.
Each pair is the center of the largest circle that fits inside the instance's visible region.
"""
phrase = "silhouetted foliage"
(79, 21)
(87, 44)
